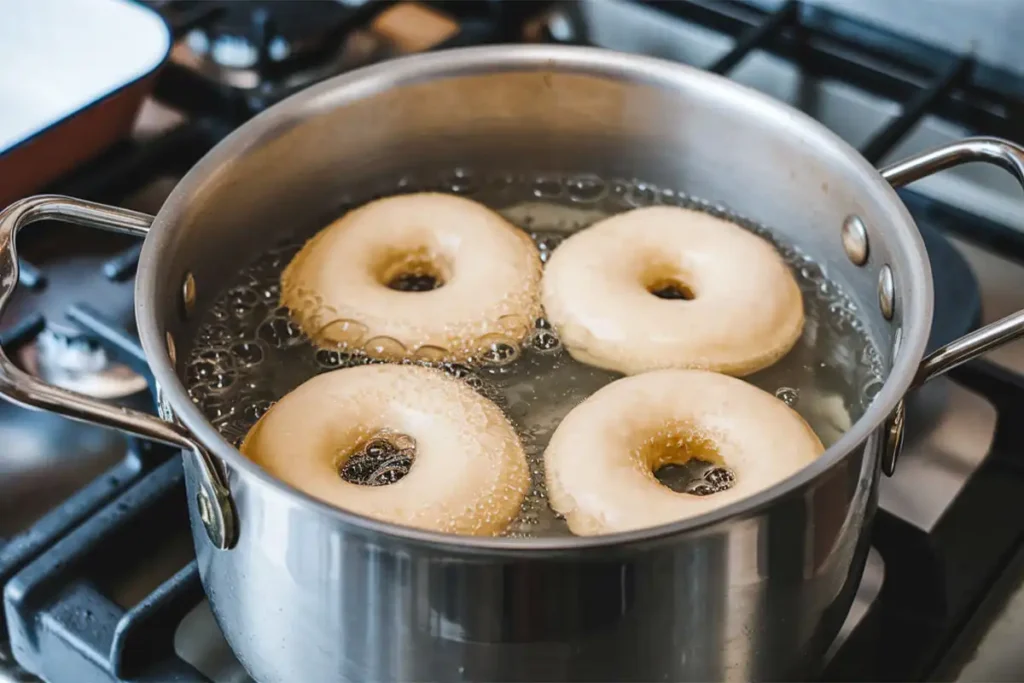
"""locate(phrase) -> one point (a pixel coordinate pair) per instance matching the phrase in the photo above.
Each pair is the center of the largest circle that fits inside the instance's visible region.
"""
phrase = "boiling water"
(248, 353)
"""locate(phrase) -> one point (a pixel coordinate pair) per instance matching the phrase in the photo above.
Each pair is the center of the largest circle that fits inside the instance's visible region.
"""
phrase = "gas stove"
(97, 569)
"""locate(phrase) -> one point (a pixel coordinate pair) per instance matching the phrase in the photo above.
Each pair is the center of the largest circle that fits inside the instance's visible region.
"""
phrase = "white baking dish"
(72, 76)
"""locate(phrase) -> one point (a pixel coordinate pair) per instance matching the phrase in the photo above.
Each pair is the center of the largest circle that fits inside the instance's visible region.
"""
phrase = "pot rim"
(915, 290)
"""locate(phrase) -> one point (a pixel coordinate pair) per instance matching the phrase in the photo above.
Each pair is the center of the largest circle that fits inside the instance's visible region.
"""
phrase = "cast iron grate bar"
(880, 62)
(29, 276)
(122, 266)
(131, 165)
(753, 38)
(888, 137)
(141, 635)
(65, 626)
(22, 333)
(25, 547)
(181, 88)
(892, 66)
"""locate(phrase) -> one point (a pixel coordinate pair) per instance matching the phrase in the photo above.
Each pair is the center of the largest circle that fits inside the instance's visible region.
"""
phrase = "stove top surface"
(95, 555)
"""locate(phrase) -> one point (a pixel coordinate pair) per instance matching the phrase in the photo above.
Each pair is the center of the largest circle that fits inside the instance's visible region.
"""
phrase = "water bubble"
(270, 293)
(461, 372)
(218, 356)
(812, 272)
(384, 348)
(547, 187)
(838, 309)
(200, 370)
(546, 243)
(788, 395)
(218, 410)
(714, 479)
(720, 211)
(640, 195)
(358, 357)
(213, 335)
(430, 354)
(545, 341)
(586, 189)
(457, 370)
(199, 393)
(870, 391)
(402, 442)
(378, 463)
(257, 409)
(232, 429)
(871, 358)
(243, 297)
(222, 379)
(248, 353)
(344, 333)
(329, 360)
(462, 181)
(279, 332)
(250, 385)
(497, 349)
(391, 472)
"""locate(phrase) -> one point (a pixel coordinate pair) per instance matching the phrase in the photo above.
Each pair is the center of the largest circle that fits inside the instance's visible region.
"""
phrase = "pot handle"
(21, 388)
(998, 152)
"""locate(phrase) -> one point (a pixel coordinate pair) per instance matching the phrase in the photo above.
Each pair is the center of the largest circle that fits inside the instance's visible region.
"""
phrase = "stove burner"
(78, 363)
(257, 34)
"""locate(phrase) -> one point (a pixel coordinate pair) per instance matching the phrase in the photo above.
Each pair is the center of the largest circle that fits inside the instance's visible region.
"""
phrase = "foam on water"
(249, 353)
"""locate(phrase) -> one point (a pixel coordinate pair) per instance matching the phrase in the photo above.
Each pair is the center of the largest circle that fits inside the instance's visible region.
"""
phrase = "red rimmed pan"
(73, 74)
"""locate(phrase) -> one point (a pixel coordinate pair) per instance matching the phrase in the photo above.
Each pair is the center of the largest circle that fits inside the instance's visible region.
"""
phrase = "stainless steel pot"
(307, 592)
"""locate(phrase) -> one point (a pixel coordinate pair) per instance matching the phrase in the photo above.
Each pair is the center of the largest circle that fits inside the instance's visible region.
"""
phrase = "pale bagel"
(337, 286)
(601, 460)
(744, 312)
(469, 473)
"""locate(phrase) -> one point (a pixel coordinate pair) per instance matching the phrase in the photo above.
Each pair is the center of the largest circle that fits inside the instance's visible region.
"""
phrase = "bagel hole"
(687, 461)
(672, 289)
(381, 460)
(696, 477)
(414, 282)
(415, 271)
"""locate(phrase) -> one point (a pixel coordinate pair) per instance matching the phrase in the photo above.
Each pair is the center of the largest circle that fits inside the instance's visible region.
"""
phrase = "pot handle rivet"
(172, 353)
(855, 240)
(886, 292)
(188, 293)
(893, 435)
(217, 515)
(28, 391)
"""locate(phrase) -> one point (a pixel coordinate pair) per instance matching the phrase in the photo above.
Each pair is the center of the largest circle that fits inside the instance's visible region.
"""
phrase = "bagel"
(426, 275)
(468, 475)
(668, 287)
(601, 460)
